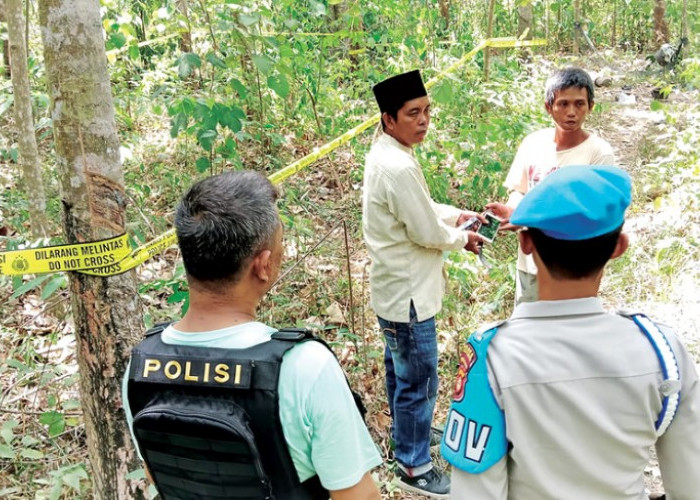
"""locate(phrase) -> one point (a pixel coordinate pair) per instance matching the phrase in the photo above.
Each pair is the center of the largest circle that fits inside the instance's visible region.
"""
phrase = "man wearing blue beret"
(564, 400)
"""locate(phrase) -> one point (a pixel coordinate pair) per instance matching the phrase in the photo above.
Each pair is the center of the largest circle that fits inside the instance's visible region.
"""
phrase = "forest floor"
(659, 275)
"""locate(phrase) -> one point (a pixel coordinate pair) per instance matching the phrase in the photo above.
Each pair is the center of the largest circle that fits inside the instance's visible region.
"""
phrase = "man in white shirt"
(569, 98)
(564, 400)
(406, 233)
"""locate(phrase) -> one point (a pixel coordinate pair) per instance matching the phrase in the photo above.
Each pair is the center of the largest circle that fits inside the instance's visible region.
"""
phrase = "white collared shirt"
(405, 232)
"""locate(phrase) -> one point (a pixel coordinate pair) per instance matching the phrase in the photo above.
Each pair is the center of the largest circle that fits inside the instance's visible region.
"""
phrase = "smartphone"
(490, 228)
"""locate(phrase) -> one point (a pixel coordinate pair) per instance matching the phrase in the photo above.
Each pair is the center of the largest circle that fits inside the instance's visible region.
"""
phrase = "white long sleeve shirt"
(405, 232)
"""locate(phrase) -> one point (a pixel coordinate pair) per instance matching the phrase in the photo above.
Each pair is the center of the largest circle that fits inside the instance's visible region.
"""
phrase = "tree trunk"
(489, 33)
(5, 44)
(445, 11)
(107, 312)
(577, 23)
(186, 36)
(24, 120)
(661, 34)
(684, 19)
(613, 37)
(525, 21)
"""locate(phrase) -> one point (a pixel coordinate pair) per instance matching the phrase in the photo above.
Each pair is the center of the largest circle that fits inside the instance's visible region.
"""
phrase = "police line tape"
(113, 256)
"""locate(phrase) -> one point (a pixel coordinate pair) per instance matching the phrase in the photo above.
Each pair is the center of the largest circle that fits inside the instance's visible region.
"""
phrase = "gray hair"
(223, 221)
(566, 78)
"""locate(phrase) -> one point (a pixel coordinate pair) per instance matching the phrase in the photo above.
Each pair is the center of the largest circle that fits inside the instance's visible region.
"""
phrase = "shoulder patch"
(475, 433)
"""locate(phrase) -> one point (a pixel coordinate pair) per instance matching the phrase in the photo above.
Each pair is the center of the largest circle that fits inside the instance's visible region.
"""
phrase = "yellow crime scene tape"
(113, 256)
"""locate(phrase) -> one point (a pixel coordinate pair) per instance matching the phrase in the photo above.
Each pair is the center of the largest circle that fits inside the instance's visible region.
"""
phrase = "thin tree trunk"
(445, 11)
(32, 181)
(5, 44)
(684, 19)
(577, 23)
(106, 311)
(661, 34)
(525, 21)
(489, 33)
(186, 36)
(613, 38)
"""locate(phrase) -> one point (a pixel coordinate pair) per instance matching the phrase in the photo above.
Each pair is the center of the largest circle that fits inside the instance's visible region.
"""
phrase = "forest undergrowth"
(324, 282)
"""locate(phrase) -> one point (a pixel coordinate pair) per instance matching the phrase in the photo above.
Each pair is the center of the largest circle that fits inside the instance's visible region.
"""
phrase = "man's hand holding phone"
(468, 221)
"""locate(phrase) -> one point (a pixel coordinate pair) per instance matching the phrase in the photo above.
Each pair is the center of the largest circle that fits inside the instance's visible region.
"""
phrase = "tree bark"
(33, 184)
(107, 312)
(661, 34)
(525, 21)
(445, 11)
(489, 33)
(613, 37)
(577, 23)
(5, 44)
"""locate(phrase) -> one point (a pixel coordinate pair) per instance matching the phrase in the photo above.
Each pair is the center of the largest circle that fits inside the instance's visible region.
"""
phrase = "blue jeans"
(410, 358)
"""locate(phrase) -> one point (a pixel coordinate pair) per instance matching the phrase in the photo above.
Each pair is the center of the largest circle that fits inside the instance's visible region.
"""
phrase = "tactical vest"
(207, 419)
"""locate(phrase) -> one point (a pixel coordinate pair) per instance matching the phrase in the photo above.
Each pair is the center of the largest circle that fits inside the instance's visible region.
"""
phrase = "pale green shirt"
(537, 157)
(320, 421)
(405, 232)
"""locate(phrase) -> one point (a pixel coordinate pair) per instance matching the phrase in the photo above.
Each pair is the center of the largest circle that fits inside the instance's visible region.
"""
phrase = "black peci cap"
(393, 92)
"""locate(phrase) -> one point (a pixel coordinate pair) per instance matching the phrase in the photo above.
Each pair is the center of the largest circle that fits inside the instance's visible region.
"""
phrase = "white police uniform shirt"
(580, 392)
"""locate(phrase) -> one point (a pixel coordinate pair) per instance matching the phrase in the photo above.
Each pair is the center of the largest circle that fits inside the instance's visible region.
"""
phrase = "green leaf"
(73, 478)
(7, 430)
(656, 106)
(202, 164)
(206, 137)
(179, 122)
(31, 454)
(187, 63)
(57, 281)
(6, 451)
(30, 285)
(55, 421)
(443, 93)
(134, 52)
(263, 63)
(215, 60)
(116, 40)
(248, 20)
(238, 87)
(279, 84)
(177, 297)
(229, 120)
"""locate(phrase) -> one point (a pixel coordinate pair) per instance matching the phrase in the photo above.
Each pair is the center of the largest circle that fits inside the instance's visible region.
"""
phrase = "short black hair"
(223, 221)
(565, 78)
(574, 259)
(392, 110)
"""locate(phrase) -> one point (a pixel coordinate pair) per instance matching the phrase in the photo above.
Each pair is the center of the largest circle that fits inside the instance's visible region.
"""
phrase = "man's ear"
(389, 121)
(262, 265)
(623, 242)
(591, 106)
(548, 107)
(526, 244)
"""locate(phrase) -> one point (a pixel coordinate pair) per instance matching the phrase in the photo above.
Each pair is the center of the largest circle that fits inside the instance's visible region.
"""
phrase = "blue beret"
(577, 202)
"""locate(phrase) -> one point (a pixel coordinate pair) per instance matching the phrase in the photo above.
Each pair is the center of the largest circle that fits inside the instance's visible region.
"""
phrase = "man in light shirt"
(569, 98)
(312, 442)
(406, 233)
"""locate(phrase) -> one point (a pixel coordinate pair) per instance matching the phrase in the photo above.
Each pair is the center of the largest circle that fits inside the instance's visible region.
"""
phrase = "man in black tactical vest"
(222, 406)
